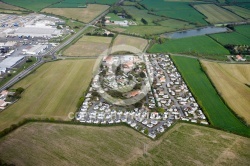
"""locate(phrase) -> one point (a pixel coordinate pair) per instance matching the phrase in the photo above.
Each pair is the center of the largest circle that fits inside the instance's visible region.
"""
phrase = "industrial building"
(11, 62)
(35, 50)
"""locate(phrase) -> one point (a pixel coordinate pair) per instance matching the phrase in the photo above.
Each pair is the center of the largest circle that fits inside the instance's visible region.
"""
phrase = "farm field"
(131, 41)
(35, 5)
(184, 143)
(216, 14)
(239, 11)
(88, 46)
(10, 11)
(9, 7)
(244, 5)
(199, 45)
(48, 91)
(243, 29)
(231, 38)
(217, 112)
(175, 25)
(81, 14)
(230, 80)
(81, 3)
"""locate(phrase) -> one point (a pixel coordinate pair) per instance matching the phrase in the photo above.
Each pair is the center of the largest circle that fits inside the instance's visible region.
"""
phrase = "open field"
(230, 80)
(81, 14)
(88, 46)
(239, 11)
(35, 5)
(51, 91)
(81, 3)
(131, 41)
(9, 7)
(231, 38)
(217, 112)
(243, 29)
(201, 45)
(62, 144)
(175, 25)
(216, 14)
(244, 5)
(10, 11)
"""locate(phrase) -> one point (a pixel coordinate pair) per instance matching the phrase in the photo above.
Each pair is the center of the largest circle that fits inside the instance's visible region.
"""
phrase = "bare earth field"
(130, 41)
(230, 80)
(88, 46)
(60, 144)
(51, 91)
(81, 14)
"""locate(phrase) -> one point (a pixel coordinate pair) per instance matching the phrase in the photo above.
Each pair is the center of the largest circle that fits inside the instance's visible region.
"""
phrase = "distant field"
(202, 45)
(244, 5)
(239, 10)
(81, 3)
(216, 14)
(9, 7)
(184, 143)
(82, 14)
(136, 42)
(231, 38)
(230, 80)
(51, 91)
(175, 25)
(217, 112)
(88, 46)
(243, 29)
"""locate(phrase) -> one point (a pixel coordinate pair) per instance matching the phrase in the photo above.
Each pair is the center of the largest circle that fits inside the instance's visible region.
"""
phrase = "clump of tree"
(144, 21)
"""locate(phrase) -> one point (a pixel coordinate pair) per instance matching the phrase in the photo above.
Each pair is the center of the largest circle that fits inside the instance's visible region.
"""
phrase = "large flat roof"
(10, 61)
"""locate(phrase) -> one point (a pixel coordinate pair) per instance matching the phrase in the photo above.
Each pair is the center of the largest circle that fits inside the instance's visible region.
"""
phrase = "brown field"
(60, 144)
(53, 90)
(136, 42)
(230, 80)
(81, 14)
(88, 46)
(9, 7)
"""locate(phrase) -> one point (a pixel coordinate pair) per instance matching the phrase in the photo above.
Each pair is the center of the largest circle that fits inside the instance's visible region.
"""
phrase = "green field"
(199, 45)
(243, 29)
(239, 11)
(175, 25)
(60, 144)
(81, 3)
(217, 112)
(231, 38)
(51, 91)
(9, 7)
(244, 5)
(114, 17)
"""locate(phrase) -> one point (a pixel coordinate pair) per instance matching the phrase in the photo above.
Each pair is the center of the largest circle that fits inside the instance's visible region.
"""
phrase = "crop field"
(81, 14)
(216, 14)
(81, 3)
(9, 7)
(231, 38)
(35, 5)
(230, 80)
(244, 5)
(217, 112)
(184, 143)
(49, 91)
(136, 42)
(243, 29)
(239, 11)
(199, 45)
(88, 46)
(175, 25)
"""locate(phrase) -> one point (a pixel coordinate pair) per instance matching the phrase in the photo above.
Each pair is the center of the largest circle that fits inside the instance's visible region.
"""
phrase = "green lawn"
(202, 45)
(231, 38)
(217, 112)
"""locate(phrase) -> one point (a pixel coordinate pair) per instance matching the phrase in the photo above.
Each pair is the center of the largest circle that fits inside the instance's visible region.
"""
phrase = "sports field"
(9, 7)
(231, 38)
(243, 29)
(130, 41)
(216, 14)
(217, 112)
(81, 14)
(38, 143)
(230, 80)
(199, 45)
(239, 11)
(51, 91)
(88, 46)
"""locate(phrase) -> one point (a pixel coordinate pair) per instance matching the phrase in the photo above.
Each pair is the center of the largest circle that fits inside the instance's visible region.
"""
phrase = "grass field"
(244, 5)
(81, 3)
(136, 42)
(175, 25)
(83, 145)
(243, 29)
(88, 46)
(9, 7)
(230, 80)
(216, 14)
(239, 11)
(231, 38)
(202, 45)
(6, 11)
(51, 91)
(81, 14)
(217, 112)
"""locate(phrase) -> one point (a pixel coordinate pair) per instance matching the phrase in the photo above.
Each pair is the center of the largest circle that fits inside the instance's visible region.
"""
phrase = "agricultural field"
(199, 45)
(230, 81)
(10, 11)
(81, 3)
(231, 38)
(184, 143)
(216, 14)
(243, 29)
(216, 111)
(175, 25)
(48, 91)
(9, 7)
(88, 46)
(244, 5)
(136, 42)
(81, 14)
(239, 11)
